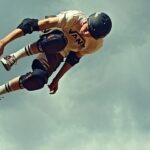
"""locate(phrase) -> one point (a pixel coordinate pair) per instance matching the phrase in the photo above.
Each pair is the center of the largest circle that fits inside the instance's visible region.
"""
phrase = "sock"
(26, 51)
(5, 88)
(9, 87)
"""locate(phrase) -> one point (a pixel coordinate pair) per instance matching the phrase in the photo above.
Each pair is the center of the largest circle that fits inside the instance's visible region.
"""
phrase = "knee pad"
(52, 42)
(34, 80)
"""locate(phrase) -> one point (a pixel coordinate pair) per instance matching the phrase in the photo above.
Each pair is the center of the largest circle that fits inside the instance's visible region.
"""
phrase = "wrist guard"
(29, 25)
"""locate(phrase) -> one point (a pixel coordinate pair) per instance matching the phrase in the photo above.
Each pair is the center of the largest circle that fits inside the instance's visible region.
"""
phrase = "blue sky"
(102, 103)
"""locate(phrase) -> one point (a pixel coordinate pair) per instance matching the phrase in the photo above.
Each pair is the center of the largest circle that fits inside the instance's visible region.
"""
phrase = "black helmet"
(99, 25)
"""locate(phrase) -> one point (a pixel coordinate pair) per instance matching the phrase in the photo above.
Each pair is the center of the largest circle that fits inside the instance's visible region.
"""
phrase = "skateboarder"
(65, 37)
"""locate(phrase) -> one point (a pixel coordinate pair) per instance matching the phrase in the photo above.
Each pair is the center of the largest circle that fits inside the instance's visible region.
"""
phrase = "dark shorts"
(52, 41)
(53, 62)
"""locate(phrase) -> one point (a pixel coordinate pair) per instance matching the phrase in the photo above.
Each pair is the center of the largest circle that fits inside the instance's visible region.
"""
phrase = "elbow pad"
(29, 25)
(72, 59)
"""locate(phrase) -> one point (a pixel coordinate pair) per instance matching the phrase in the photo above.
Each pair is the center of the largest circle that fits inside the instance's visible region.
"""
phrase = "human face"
(85, 29)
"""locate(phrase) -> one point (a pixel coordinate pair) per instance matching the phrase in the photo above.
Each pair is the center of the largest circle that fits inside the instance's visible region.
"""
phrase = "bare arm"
(12, 36)
(65, 68)
(54, 85)
(42, 24)
(62, 71)
(48, 23)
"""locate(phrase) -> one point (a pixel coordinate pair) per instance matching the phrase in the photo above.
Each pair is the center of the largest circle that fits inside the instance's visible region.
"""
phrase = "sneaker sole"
(3, 61)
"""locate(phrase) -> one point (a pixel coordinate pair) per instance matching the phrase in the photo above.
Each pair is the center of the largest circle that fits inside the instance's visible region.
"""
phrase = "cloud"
(102, 103)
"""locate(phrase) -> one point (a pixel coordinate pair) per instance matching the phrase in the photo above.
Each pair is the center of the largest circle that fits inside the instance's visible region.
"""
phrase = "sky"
(102, 103)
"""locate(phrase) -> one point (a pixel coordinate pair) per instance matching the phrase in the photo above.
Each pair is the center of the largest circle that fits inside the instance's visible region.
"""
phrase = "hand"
(53, 87)
(1, 47)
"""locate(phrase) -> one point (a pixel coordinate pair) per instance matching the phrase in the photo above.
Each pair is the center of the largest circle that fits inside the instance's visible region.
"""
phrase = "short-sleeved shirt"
(70, 22)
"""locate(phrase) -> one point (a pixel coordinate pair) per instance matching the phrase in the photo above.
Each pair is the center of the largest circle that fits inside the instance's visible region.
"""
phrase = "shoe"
(8, 61)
